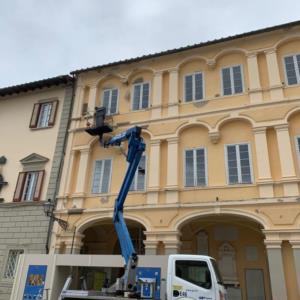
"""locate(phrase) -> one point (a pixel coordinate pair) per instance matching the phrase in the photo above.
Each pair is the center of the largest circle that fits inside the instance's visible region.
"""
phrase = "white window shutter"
(145, 96)
(198, 86)
(188, 88)
(114, 101)
(106, 176)
(97, 177)
(105, 102)
(237, 79)
(290, 70)
(189, 168)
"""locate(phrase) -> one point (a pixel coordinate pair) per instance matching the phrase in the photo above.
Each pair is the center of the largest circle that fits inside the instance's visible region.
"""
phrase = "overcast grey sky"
(46, 38)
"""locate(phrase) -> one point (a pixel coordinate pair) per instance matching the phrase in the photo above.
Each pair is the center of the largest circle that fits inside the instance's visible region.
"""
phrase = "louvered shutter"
(39, 185)
(19, 187)
(53, 113)
(35, 115)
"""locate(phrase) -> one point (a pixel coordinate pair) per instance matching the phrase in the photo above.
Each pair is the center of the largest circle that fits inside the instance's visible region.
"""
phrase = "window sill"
(139, 110)
(41, 128)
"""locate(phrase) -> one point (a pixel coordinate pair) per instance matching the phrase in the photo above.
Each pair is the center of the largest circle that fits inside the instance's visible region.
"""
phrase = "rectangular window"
(298, 147)
(292, 69)
(29, 186)
(43, 114)
(232, 80)
(193, 86)
(139, 180)
(110, 101)
(140, 96)
(11, 264)
(101, 178)
(195, 167)
(238, 164)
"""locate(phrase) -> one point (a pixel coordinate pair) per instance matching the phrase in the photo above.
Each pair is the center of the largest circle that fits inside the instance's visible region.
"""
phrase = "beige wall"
(21, 141)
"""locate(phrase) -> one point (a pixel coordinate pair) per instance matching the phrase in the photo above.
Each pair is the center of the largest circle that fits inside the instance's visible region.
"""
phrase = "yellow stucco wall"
(266, 116)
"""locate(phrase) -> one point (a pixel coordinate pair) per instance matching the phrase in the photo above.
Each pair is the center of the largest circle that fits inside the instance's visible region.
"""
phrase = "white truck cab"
(194, 277)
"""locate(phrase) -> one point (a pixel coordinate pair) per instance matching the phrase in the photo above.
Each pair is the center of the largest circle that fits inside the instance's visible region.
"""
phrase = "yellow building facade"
(221, 122)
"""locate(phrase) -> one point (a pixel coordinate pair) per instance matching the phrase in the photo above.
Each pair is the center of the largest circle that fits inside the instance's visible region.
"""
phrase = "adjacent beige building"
(33, 127)
(222, 166)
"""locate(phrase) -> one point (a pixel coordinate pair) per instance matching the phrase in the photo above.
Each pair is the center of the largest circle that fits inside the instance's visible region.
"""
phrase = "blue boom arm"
(136, 147)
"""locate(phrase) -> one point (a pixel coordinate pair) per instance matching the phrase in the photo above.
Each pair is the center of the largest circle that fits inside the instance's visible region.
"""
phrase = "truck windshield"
(194, 271)
(217, 272)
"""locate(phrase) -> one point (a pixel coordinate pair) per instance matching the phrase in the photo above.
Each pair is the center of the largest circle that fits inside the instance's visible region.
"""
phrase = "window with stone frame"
(139, 179)
(232, 80)
(140, 99)
(101, 176)
(43, 114)
(193, 87)
(30, 180)
(29, 186)
(110, 101)
(195, 167)
(292, 69)
(239, 169)
(11, 263)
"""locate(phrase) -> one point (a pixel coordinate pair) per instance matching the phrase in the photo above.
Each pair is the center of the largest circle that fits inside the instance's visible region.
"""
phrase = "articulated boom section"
(136, 147)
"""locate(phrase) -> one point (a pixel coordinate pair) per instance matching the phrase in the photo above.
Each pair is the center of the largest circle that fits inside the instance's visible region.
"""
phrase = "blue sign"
(35, 282)
(149, 279)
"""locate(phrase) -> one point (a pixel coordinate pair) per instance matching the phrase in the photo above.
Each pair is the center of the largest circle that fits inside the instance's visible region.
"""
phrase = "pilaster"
(92, 99)
(68, 174)
(173, 93)
(154, 172)
(79, 97)
(255, 90)
(288, 173)
(278, 285)
(79, 194)
(170, 239)
(276, 90)
(263, 163)
(296, 252)
(73, 242)
(157, 95)
(172, 171)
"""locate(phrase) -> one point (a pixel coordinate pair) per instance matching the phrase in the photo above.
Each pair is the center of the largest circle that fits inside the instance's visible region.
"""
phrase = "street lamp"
(49, 209)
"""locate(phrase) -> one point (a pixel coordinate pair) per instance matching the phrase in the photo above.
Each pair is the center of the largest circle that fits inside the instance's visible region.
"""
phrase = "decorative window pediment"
(34, 162)
(34, 159)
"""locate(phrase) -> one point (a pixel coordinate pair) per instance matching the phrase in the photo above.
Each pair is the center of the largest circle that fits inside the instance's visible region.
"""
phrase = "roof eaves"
(189, 47)
(31, 86)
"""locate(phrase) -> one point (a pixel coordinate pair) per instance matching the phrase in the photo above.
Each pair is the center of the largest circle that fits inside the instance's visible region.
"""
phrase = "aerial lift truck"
(170, 277)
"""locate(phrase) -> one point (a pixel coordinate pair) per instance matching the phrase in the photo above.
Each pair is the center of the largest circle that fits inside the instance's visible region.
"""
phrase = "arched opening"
(237, 243)
(101, 238)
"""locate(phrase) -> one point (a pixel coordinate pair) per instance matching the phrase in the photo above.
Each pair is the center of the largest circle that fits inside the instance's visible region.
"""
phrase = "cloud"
(41, 39)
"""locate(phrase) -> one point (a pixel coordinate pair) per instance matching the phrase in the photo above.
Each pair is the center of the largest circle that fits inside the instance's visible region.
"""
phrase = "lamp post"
(49, 209)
